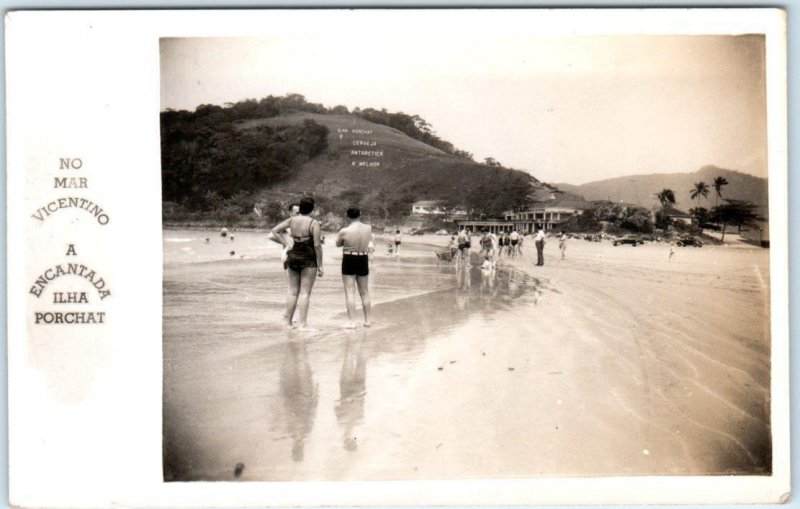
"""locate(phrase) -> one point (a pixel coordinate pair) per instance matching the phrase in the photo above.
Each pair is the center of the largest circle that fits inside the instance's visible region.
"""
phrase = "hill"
(640, 189)
(406, 170)
(220, 162)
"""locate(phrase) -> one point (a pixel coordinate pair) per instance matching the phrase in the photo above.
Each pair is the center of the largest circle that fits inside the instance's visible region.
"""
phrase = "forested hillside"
(218, 162)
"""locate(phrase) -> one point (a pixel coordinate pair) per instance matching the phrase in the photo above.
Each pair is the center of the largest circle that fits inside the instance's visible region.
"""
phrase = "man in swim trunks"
(464, 244)
(398, 238)
(487, 245)
(355, 240)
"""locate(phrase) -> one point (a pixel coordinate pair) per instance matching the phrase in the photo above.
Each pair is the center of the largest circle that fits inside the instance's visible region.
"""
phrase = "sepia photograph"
(364, 257)
(474, 257)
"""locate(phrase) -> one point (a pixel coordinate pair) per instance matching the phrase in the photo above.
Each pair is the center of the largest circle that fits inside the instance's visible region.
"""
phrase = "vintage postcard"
(397, 257)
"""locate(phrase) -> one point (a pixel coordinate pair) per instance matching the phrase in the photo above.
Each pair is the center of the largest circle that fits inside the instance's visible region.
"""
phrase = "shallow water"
(612, 361)
(239, 388)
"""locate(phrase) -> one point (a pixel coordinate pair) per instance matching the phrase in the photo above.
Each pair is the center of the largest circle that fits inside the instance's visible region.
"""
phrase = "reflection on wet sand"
(265, 422)
(349, 408)
(298, 394)
(571, 370)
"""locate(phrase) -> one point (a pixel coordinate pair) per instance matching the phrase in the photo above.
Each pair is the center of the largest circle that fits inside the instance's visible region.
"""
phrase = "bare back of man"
(354, 239)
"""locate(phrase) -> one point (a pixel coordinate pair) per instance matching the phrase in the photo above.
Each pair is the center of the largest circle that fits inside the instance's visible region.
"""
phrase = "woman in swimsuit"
(304, 260)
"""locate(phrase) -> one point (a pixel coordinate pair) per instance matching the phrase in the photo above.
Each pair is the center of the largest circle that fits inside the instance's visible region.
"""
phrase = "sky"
(565, 109)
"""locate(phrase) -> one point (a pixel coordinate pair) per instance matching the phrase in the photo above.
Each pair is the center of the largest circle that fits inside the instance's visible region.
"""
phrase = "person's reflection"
(353, 388)
(487, 278)
(464, 282)
(299, 394)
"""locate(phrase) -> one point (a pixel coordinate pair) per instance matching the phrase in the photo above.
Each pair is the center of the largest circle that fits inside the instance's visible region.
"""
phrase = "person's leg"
(366, 302)
(291, 297)
(350, 297)
(307, 278)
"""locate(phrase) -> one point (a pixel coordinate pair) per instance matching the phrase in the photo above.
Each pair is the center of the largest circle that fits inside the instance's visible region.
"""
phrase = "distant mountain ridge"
(641, 189)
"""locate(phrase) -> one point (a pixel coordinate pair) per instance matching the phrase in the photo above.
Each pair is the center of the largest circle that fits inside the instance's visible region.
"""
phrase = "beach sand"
(613, 361)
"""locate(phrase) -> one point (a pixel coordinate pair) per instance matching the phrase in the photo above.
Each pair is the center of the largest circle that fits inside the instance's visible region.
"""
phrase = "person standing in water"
(539, 241)
(355, 239)
(514, 241)
(285, 240)
(304, 259)
(464, 244)
(398, 239)
(486, 245)
(562, 244)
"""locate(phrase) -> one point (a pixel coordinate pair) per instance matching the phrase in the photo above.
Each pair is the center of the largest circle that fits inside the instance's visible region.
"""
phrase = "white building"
(546, 214)
(436, 208)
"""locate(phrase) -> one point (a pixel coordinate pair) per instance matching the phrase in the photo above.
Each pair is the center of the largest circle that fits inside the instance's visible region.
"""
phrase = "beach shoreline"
(614, 361)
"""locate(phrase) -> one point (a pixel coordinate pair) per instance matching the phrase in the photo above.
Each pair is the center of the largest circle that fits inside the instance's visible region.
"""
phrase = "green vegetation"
(220, 162)
(208, 164)
(612, 217)
(736, 213)
(719, 183)
(700, 189)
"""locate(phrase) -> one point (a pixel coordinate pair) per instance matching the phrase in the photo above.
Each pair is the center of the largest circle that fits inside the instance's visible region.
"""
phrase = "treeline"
(617, 217)
(273, 106)
(208, 164)
(412, 126)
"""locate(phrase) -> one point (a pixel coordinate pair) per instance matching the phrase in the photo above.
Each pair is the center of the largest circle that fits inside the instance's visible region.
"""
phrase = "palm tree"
(719, 183)
(700, 189)
(667, 198)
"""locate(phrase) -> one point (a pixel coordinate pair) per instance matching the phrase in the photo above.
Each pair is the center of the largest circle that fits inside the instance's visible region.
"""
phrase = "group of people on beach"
(301, 237)
(494, 246)
(302, 240)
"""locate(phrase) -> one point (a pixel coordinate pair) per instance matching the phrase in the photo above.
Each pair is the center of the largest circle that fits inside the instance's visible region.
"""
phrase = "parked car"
(628, 239)
(688, 240)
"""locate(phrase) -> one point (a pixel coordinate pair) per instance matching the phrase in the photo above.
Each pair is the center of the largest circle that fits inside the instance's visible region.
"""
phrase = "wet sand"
(613, 361)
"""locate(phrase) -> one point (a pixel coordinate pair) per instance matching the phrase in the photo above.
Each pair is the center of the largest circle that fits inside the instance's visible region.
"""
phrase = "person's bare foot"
(306, 328)
(350, 325)
(367, 324)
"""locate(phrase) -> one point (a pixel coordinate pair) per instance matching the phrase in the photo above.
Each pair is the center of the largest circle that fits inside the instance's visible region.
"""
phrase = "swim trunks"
(514, 242)
(355, 264)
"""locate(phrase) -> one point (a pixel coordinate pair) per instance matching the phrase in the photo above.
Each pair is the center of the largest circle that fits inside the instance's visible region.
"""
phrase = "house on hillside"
(437, 208)
(546, 214)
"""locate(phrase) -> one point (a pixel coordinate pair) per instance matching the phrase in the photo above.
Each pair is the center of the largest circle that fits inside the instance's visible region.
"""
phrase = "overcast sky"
(565, 109)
